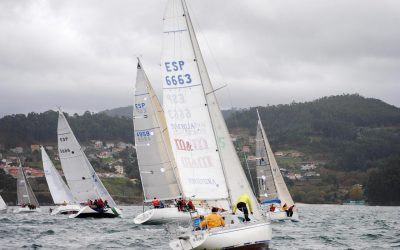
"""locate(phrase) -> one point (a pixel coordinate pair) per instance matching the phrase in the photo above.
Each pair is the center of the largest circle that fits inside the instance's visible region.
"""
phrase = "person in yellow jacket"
(241, 204)
(213, 220)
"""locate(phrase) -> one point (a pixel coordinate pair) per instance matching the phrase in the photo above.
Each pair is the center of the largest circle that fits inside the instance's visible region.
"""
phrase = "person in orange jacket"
(213, 220)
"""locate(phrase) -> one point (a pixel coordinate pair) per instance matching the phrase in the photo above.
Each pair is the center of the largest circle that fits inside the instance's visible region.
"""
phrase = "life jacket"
(156, 203)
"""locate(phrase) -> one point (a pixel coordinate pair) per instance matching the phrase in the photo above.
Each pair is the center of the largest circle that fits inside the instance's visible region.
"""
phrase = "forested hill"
(41, 128)
(351, 130)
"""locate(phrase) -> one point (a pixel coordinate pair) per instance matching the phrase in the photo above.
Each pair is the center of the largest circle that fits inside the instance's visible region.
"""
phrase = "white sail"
(58, 189)
(275, 186)
(79, 173)
(25, 194)
(182, 61)
(187, 114)
(3, 205)
(154, 152)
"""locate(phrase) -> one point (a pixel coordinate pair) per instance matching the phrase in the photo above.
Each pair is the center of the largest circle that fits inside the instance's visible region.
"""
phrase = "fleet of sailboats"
(272, 188)
(208, 167)
(26, 198)
(82, 180)
(59, 191)
(184, 150)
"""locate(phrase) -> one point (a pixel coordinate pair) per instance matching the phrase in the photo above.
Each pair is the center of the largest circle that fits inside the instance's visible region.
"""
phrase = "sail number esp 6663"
(176, 67)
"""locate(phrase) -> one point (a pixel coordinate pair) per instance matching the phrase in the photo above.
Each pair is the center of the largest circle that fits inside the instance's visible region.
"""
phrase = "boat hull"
(162, 216)
(68, 209)
(244, 236)
(88, 212)
(22, 210)
(281, 216)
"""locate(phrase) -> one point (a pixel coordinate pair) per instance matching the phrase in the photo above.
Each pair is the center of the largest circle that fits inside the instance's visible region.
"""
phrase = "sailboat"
(208, 167)
(154, 153)
(82, 180)
(272, 188)
(59, 191)
(26, 198)
(3, 205)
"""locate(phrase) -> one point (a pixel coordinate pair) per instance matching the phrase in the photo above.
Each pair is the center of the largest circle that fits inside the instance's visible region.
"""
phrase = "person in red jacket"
(191, 206)
(156, 203)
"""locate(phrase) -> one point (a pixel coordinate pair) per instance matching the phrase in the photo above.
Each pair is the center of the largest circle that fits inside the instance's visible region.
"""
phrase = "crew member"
(213, 220)
(241, 204)
(156, 203)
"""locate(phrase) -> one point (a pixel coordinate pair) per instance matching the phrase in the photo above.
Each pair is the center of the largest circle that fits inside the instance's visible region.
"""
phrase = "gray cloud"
(81, 54)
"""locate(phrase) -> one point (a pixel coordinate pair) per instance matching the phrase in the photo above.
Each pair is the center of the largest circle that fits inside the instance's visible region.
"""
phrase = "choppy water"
(322, 227)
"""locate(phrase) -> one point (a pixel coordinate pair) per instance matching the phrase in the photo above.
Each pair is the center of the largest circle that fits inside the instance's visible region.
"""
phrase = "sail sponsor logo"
(188, 128)
(175, 75)
(197, 162)
(192, 144)
(202, 181)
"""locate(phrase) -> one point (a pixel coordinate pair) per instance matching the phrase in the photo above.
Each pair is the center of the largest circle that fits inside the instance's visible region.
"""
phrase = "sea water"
(321, 227)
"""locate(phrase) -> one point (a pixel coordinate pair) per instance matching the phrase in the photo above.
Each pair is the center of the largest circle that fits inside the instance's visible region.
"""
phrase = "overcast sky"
(81, 54)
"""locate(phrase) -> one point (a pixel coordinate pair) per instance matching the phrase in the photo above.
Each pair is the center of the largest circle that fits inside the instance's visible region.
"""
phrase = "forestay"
(58, 189)
(191, 132)
(24, 191)
(277, 186)
(79, 173)
(154, 152)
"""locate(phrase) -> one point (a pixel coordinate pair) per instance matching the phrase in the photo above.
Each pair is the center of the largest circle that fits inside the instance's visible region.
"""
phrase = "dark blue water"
(322, 227)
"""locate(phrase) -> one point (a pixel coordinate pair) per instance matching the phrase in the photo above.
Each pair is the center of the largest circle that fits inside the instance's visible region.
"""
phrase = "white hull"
(247, 235)
(67, 209)
(87, 211)
(281, 216)
(161, 216)
(21, 210)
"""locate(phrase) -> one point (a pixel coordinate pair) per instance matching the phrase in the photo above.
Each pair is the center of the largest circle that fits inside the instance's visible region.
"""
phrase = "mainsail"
(154, 152)
(273, 185)
(208, 165)
(3, 205)
(58, 189)
(79, 173)
(24, 191)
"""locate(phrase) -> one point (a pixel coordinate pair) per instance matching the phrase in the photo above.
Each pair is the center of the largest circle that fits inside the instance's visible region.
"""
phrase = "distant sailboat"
(81, 178)
(59, 191)
(208, 167)
(3, 205)
(154, 153)
(26, 198)
(272, 188)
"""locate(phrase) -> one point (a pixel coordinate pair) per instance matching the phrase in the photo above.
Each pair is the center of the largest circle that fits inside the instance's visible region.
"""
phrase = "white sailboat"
(208, 167)
(59, 191)
(82, 180)
(154, 154)
(272, 188)
(3, 205)
(26, 198)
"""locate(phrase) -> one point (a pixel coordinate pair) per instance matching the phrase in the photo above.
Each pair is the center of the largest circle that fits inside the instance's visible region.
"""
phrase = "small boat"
(26, 198)
(208, 168)
(3, 205)
(58, 189)
(154, 154)
(82, 180)
(272, 189)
